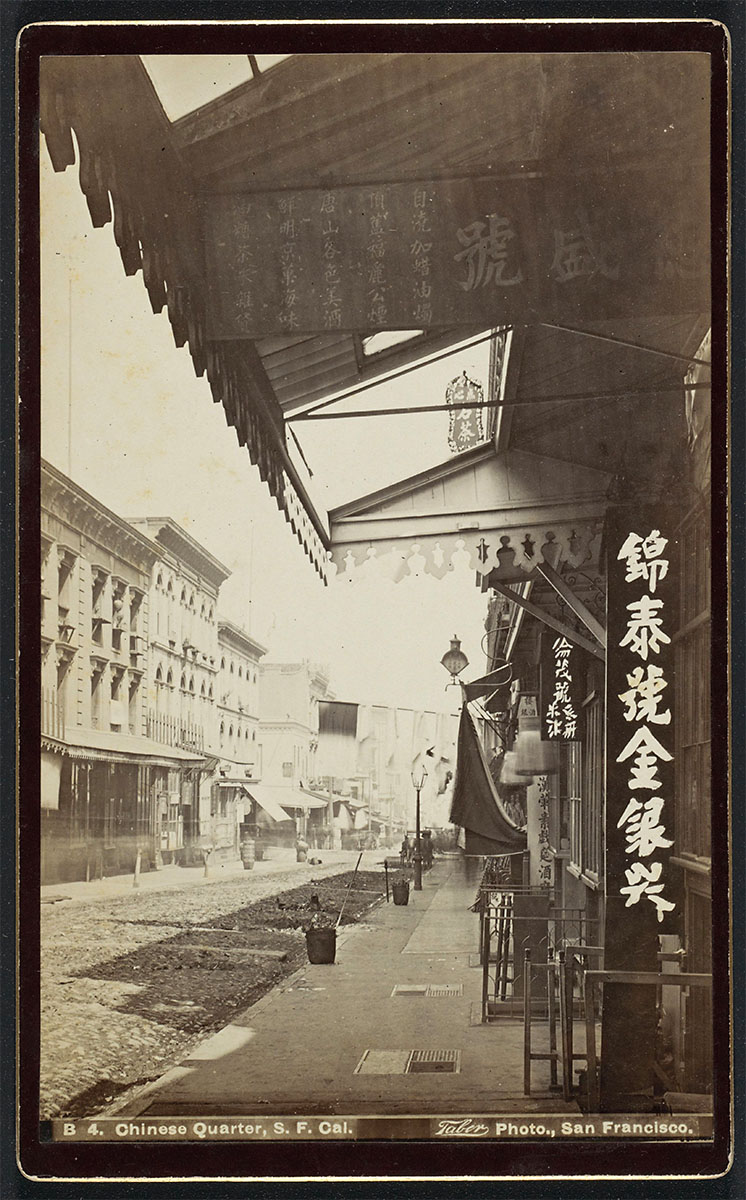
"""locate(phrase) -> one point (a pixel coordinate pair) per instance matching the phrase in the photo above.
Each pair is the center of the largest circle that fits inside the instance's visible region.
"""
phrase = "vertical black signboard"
(642, 579)
(563, 672)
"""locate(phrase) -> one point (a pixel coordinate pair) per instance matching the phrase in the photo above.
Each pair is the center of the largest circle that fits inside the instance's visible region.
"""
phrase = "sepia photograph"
(377, 460)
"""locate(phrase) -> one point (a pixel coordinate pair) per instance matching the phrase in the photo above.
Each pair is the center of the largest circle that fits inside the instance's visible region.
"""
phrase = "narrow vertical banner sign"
(642, 583)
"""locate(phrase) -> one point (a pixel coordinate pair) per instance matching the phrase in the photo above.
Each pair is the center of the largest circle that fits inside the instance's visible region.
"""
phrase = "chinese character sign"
(447, 252)
(642, 571)
(563, 671)
(465, 428)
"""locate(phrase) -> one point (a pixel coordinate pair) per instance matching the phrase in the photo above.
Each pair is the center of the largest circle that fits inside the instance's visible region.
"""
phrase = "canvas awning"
(267, 797)
(278, 801)
(476, 806)
(121, 747)
(502, 117)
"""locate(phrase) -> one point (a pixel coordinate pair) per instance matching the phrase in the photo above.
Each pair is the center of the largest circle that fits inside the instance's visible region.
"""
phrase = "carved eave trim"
(133, 176)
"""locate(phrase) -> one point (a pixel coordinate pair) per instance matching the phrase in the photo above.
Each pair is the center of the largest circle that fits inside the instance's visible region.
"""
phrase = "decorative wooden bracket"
(571, 600)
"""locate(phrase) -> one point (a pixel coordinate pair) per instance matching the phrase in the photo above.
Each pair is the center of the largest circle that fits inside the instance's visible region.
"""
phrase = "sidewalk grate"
(428, 989)
(434, 1062)
(409, 1062)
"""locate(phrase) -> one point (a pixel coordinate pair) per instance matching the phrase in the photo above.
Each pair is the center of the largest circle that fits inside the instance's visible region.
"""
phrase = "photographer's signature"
(462, 1128)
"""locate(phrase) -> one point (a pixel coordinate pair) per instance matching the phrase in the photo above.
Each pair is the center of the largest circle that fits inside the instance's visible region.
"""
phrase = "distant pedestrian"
(406, 850)
(427, 849)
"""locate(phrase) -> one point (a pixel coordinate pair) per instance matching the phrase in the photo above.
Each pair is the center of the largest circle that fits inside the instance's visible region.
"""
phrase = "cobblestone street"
(132, 982)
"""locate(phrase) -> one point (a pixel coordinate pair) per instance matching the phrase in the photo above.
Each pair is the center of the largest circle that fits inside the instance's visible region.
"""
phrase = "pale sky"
(147, 439)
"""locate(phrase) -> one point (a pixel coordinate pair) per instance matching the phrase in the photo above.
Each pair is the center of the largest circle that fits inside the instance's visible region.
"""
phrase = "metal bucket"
(400, 892)
(321, 945)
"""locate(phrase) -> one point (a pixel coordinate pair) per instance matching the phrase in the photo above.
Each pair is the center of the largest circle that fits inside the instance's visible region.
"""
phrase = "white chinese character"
(643, 698)
(561, 645)
(648, 749)
(643, 881)
(644, 833)
(643, 558)
(644, 630)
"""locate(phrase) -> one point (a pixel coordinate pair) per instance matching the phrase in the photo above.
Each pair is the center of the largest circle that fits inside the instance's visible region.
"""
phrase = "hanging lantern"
(465, 427)
(509, 776)
(533, 756)
(454, 660)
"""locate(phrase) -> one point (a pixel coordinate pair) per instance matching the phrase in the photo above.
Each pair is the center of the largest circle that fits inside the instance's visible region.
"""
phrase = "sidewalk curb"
(134, 1107)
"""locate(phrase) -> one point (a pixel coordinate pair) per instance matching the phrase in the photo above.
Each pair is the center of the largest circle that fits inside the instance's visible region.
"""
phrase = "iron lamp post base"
(417, 861)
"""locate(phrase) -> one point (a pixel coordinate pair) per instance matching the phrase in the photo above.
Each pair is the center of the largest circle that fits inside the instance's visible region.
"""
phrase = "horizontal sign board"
(443, 253)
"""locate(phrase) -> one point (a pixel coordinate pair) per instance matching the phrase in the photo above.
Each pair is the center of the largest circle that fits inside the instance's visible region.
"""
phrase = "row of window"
(187, 597)
(231, 668)
(185, 685)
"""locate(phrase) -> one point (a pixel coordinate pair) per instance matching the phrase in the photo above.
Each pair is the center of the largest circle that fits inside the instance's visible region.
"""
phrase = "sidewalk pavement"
(302, 1048)
(174, 878)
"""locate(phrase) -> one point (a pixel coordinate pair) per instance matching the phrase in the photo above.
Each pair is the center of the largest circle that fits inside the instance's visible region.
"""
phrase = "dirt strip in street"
(131, 985)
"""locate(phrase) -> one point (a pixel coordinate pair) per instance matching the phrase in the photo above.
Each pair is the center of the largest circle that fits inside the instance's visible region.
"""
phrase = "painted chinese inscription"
(442, 253)
(640, 733)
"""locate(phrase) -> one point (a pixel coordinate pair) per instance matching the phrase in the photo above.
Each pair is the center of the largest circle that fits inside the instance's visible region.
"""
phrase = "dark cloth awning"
(476, 806)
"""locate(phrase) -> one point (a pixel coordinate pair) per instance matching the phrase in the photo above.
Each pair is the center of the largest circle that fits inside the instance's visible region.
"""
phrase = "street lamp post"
(418, 782)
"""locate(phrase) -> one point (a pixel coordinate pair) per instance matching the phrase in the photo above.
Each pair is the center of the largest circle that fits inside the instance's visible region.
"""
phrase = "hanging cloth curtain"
(476, 806)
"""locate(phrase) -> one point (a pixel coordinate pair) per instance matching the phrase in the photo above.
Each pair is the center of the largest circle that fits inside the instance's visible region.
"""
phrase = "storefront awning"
(476, 805)
(498, 510)
(622, 244)
(122, 747)
(278, 801)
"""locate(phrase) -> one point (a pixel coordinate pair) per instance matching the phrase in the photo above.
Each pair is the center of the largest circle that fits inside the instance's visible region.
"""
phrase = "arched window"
(170, 678)
(170, 587)
(209, 692)
(232, 666)
(222, 664)
(183, 684)
(253, 735)
(202, 611)
(183, 595)
(222, 732)
(202, 690)
(191, 685)
(209, 615)
(230, 733)
(191, 600)
(246, 735)
(159, 674)
(240, 671)
(159, 580)
(254, 679)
